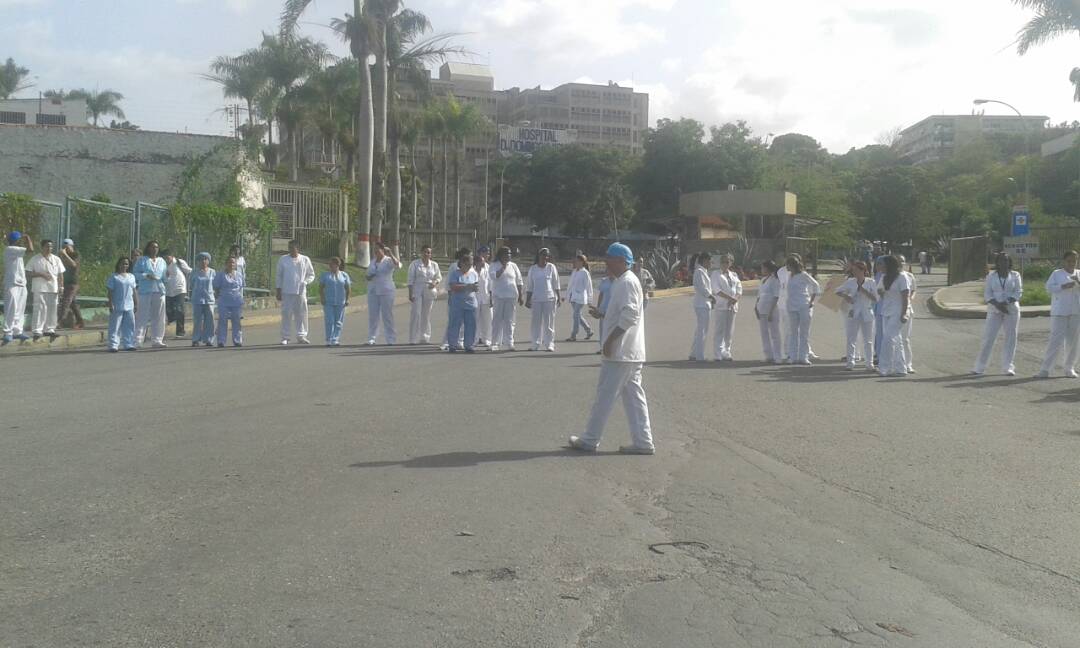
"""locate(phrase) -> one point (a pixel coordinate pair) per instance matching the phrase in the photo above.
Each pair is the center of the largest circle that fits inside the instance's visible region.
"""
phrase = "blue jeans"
(334, 320)
(579, 320)
(202, 316)
(461, 315)
(122, 329)
(228, 314)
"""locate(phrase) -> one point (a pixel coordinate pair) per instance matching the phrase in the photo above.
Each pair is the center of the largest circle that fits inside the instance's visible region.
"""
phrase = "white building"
(939, 136)
(44, 111)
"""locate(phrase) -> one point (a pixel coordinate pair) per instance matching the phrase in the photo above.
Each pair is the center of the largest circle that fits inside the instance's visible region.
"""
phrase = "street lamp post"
(1027, 144)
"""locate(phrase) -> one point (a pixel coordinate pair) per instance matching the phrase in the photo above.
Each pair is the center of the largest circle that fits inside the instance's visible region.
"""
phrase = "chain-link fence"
(103, 233)
(155, 223)
(258, 270)
(40, 219)
(444, 243)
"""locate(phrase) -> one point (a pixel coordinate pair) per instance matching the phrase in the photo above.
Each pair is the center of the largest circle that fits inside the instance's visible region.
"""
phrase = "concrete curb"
(974, 311)
(84, 339)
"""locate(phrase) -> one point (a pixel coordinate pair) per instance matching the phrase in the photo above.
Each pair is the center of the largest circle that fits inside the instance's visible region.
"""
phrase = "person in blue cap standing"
(623, 359)
(15, 286)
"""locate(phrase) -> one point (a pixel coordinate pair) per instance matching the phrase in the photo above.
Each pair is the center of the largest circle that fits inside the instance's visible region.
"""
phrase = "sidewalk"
(965, 301)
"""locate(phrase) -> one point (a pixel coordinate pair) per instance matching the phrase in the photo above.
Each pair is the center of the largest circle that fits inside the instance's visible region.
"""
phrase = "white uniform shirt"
(1003, 290)
(294, 275)
(863, 308)
(580, 287)
(483, 280)
(176, 278)
(381, 277)
(53, 266)
(14, 266)
(625, 310)
(702, 288)
(509, 284)
(768, 295)
(914, 288)
(800, 289)
(729, 284)
(421, 276)
(893, 299)
(783, 274)
(543, 283)
(1063, 302)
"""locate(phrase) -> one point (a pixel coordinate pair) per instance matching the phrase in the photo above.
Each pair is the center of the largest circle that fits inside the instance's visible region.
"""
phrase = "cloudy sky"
(843, 71)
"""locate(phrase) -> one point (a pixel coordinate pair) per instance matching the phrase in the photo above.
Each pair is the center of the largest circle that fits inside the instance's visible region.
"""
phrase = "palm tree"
(12, 78)
(463, 121)
(1053, 18)
(241, 77)
(434, 127)
(105, 102)
(288, 60)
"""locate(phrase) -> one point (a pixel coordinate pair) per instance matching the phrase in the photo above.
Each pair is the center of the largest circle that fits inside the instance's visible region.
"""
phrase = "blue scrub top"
(156, 267)
(202, 286)
(465, 300)
(123, 291)
(335, 287)
(230, 289)
(605, 290)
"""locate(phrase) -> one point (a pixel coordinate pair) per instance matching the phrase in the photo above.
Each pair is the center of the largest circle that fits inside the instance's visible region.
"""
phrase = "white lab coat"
(423, 281)
(802, 289)
(702, 305)
(724, 283)
(505, 291)
(1064, 320)
(1006, 290)
(767, 304)
(859, 318)
(543, 285)
(891, 360)
(292, 278)
(620, 372)
(484, 305)
(580, 289)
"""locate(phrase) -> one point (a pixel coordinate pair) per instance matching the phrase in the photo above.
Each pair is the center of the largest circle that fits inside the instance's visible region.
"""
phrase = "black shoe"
(221, 345)
(52, 336)
(37, 336)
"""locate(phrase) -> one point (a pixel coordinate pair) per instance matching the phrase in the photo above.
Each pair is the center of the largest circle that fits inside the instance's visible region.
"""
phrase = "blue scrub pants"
(202, 316)
(122, 329)
(334, 320)
(228, 314)
(579, 321)
(460, 315)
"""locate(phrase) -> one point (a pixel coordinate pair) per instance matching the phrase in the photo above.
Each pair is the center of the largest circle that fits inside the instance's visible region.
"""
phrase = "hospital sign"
(521, 140)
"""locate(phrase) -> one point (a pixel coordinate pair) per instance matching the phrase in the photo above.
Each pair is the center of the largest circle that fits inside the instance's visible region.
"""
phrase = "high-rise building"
(939, 136)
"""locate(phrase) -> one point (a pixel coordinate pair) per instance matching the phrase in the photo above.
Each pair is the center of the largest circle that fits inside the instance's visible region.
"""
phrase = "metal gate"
(807, 248)
(317, 217)
(967, 258)
(444, 243)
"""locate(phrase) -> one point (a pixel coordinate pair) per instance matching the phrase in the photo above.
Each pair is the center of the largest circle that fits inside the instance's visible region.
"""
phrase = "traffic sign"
(1021, 221)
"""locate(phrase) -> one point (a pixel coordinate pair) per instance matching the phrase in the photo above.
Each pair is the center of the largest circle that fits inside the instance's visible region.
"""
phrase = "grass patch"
(1035, 296)
(358, 276)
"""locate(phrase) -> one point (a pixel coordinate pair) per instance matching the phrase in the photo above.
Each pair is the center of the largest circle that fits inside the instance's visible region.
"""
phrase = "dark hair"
(794, 260)
(584, 259)
(234, 247)
(425, 246)
(770, 266)
(892, 270)
(122, 259)
(692, 264)
(47, 242)
(338, 259)
(1069, 253)
(1008, 261)
(504, 250)
(861, 266)
(165, 252)
(146, 248)
(294, 243)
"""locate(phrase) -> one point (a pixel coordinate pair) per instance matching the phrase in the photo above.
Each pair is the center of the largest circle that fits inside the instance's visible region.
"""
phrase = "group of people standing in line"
(876, 309)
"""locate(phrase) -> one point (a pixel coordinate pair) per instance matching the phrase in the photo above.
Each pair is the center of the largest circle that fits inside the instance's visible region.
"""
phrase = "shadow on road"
(469, 459)
(707, 364)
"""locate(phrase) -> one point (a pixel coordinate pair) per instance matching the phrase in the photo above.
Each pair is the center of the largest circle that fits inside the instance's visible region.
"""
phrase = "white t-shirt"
(729, 284)
(862, 309)
(176, 278)
(768, 295)
(801, 288)
(509, 283)
(702, 288)
(543, 283)
(381, 277)
(53, 266)
(892, 300)
(14, 266)
(626, 310)
(1063, 301)
(580, 287)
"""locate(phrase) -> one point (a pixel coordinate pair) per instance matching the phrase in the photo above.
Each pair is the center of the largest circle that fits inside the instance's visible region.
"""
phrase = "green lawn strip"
(356, 273)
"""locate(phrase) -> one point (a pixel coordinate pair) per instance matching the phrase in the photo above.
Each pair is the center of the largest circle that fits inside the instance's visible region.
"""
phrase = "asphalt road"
(401, 497)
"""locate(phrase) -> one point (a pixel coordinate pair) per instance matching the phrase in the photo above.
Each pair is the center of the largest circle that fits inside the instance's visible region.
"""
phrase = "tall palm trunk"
(395, 192)
(415, 186)
(457, 187)
(366, 155)
(431, 184)
(294, 155)
(445, 192)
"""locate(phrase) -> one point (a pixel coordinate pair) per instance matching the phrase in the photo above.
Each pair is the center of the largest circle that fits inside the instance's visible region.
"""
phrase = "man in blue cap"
(15, 286)
(623, 359)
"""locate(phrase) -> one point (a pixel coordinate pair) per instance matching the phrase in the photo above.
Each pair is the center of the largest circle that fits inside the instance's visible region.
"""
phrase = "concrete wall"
(54, 162)
(737, 203)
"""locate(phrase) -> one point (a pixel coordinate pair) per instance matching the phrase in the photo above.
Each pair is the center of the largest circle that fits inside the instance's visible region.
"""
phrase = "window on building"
(51, 120)
(12, 117)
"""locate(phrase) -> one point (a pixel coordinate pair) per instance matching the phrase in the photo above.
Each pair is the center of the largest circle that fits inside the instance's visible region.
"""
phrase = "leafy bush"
(1038, 272)
(1035, 296)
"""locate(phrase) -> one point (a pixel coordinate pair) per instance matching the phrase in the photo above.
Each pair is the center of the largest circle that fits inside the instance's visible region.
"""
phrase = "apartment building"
(939, 136)
(43, 111)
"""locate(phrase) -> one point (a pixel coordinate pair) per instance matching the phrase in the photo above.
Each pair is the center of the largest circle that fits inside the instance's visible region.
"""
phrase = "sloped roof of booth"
(739, 202)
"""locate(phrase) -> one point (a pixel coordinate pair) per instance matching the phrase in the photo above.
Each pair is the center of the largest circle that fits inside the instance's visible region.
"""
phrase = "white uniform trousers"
(770, 337)
(785, 325)
(798, 334)
(620, 379)
(905, 342)
(891, 355)
(14, 310)
(543, 325)
(502, 324)
(995, 321)
(1064, 331)
(723, 326)
(150, 315)
(44, 320)
(853, 328)
(381, 307)
(420, 315)
(701, 330)
(294, 316)
(483, 322)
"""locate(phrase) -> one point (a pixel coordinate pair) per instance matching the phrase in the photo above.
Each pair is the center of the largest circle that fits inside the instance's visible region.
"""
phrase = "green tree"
(584, 192)
(241, 77)
(98, 103)
(12, 78)
(675, 162)
(736, 156)
(1053, 18)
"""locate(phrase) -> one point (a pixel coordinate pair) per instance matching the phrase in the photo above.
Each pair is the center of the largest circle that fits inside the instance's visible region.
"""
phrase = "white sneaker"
(1010, 372)
(1071, 373)
(577, 444)
(911, 370)
(284, 342)
(850, 367)
(494, 347)
(302, 340)
(159, 345)
(1046, 374)
(371, 342)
